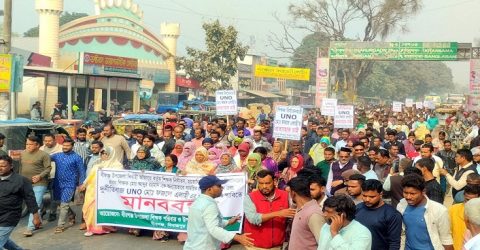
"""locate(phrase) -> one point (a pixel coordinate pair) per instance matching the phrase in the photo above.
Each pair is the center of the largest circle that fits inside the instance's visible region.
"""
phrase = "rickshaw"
(138, 121)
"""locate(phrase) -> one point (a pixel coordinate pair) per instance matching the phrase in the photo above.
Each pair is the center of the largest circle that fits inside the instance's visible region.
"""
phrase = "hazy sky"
(439, 20)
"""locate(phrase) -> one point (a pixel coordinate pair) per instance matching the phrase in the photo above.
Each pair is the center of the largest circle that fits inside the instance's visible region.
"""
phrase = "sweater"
(36, 163)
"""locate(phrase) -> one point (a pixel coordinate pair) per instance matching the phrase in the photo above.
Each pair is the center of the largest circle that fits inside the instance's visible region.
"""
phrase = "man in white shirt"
(343, 141)
(472, 221)
(426, 152)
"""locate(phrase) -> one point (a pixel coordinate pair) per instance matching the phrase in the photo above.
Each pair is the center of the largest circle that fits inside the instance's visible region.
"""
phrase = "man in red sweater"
(266, 212)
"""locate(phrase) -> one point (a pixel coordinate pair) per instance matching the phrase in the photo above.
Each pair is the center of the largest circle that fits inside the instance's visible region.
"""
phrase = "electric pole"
(7, 25)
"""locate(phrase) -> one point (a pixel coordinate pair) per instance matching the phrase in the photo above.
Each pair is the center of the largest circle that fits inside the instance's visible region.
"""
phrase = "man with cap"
(206, 228)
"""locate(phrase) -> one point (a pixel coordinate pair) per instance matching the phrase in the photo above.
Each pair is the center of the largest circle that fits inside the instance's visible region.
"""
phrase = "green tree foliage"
(65, 18)
(399, 80)
(214, 67)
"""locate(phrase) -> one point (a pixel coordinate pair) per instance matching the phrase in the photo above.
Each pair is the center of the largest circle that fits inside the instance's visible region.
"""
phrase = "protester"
(226, 165)
(70, 172)
(458, 181)
(427, 225)
(15, 189)
(36, 167)
(383, 220)
(106, 161)
(117, 142)
(342, 231)
(266, 213)
(335, 180)
(205, 224)
(457, 220)
(144, 161)
(328, 159)
(433, 190)
(200, 164)
(308, 220)
(187, 154)
(472, 219)
(354, 187)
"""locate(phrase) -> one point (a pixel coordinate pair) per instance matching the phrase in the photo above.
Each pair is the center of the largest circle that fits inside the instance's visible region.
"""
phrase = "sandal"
(83, 226)
(59, 230)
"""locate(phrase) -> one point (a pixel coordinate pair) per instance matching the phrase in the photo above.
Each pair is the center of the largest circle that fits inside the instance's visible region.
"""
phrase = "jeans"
(5, 241)
(39, 191)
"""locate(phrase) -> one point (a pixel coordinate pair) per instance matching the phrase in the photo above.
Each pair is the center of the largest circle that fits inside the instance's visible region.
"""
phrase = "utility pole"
(7, 25)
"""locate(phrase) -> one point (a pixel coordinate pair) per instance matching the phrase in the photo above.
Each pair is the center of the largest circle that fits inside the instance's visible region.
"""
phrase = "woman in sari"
(200, 163)
(226, 165)
(106, 161)
(187, 154)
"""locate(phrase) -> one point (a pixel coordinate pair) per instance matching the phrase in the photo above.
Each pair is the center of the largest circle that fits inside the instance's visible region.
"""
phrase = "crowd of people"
(383, 184)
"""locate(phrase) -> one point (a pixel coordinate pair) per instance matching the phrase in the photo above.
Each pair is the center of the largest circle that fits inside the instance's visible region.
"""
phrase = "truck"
(455, 101)
(171, 101)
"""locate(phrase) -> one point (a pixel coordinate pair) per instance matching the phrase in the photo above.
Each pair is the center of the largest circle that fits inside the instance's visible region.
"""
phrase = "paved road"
(73, 239)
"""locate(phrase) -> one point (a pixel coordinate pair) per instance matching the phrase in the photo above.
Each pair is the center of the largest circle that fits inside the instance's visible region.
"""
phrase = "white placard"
(344, 116)
(419, 105)
(288, 122)
(328, 106)
(408, 103)
(429, 104)
(226, 102)
(397, 107)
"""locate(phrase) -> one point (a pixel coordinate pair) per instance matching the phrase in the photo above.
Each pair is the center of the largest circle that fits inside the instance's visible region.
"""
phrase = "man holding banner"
(205, 214)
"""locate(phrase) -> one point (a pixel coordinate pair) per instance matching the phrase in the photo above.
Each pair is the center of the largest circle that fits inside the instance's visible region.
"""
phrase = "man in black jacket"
(14, 189)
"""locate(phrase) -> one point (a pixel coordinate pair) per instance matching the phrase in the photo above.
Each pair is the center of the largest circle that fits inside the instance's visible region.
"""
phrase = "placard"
(408, 103)
(419, 105)
(160, 201)
(288, 122)
(344, 115)
(397, 107)
(226, 102)
(328, 106)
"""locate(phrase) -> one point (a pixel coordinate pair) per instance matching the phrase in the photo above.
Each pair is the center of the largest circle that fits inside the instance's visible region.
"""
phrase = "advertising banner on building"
(6, 68)
(288, 122)
(160, 201)
(282, 72)
(321, 81)
(328, 106)
(226, 102)
(105, 65)
(397, 107)
(474, 86)
(344, 116)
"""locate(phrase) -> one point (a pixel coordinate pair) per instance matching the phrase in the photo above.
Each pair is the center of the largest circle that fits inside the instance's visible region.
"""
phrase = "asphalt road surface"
(73, 239)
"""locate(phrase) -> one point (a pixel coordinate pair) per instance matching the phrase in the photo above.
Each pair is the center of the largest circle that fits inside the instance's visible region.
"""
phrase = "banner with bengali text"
(301, 74)
(160, 201)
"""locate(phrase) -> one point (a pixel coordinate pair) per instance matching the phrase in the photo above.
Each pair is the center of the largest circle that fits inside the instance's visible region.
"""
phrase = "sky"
(438, 20)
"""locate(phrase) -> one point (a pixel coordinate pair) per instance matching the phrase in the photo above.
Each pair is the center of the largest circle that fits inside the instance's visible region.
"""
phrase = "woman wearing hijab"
(200, 163)
(254, 164)
(106, 161)
(187, 154)
(276, 153)
(236, 142)
(317, 150)
(214, 155)
(241, 156)
(226, 165)
(178, 148)
(144, 161)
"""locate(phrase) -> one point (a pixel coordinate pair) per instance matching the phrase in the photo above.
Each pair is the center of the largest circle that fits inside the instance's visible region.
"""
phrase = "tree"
(339, 20)
(65, 18)
(214, 67)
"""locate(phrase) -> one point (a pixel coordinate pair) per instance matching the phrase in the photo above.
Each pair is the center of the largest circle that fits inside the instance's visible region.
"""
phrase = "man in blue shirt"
(205, 227)
(342, 231)
(383, 221)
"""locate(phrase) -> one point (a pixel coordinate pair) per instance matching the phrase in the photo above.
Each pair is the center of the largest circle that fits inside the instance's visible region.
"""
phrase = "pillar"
(170, 33)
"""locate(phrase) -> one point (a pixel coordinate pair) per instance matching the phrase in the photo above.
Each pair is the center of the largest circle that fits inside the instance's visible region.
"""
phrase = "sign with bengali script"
(473, 101)
(394, 51)
(344, 116)
(160, 201)
(106, 65)
(321, 81)
(288, 122)
(6, 64)
(397, 107)
(282, 72)
(408, 102)
(328, 106)
(419, 105)
(226, 102)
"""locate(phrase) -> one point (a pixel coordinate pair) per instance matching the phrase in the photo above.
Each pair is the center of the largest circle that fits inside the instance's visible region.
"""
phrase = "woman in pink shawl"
(187, 154)
(214, 155)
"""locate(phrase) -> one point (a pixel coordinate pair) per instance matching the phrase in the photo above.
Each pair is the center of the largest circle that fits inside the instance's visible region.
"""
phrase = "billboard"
(321, 81)
(106, 65)
(282, 72)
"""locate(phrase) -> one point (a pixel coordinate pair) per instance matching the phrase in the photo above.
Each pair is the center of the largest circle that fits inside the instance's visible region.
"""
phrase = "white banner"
(160, 201)
(344, 116)
(288, 122)
(408, 103)
(397, 107)
(226, 102)
(321, 80)
(328, 106)
(419, 105)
